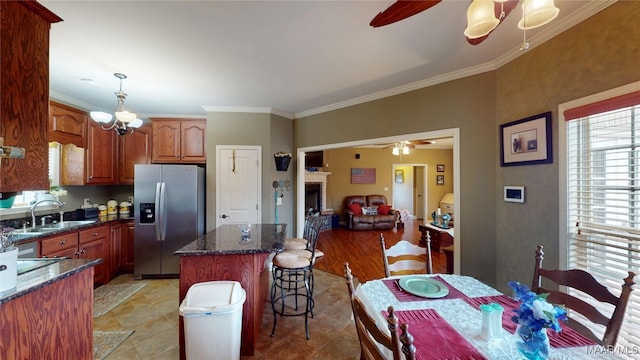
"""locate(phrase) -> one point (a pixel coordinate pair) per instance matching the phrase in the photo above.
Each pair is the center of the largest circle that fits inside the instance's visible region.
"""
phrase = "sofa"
(369, 212)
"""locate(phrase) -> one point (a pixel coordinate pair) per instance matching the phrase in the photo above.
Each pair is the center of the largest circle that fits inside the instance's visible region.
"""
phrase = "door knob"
(224, 216)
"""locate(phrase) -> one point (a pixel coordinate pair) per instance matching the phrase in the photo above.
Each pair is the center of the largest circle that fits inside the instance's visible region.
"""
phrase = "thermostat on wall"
(514, 194)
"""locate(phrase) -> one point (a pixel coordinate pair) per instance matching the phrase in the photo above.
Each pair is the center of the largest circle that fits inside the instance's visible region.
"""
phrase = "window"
(602, 145)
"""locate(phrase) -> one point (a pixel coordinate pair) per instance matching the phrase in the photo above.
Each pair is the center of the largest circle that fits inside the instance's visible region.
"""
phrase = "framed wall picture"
(399, 176)
(439, 179)
(440, 168)
(526, 141)
(363, 175)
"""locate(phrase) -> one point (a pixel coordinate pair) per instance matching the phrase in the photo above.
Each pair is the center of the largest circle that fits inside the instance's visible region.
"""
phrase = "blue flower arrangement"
(533, 316)
(535, 312)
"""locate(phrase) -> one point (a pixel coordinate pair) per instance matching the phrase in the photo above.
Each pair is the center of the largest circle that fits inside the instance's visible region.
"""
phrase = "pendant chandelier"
(124, 121)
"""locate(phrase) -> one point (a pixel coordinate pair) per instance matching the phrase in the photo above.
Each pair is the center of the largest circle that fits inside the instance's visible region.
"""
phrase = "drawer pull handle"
(95, 234)
(63, 242)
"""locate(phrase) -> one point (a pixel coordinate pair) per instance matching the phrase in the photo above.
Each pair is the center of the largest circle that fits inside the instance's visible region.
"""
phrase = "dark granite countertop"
(46, 275)
(228, 239)
(102, 220)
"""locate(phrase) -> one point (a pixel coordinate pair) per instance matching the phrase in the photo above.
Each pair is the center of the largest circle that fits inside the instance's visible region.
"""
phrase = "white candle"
(438, 212)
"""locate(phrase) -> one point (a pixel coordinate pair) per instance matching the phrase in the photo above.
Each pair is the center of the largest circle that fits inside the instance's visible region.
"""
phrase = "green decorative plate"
(423, 286)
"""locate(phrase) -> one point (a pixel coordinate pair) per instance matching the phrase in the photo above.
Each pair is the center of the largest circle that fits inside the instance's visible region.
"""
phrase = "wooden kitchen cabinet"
(91, 243)
(115, 249)
(94, 244)
(134, 148)
(179, 141)
(128, 233)
(24, 80)
(67, 125)
(60, 246)
(100, 155)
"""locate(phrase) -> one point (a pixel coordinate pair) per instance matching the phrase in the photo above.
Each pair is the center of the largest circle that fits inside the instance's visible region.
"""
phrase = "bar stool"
(293, 279)
(301, 243)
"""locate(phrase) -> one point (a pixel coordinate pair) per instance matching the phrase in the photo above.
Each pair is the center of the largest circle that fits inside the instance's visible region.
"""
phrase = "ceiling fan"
(411, 144)
(480, 22)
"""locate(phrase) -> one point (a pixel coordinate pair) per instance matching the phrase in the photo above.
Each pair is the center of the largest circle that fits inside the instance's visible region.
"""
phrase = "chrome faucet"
(32, 209)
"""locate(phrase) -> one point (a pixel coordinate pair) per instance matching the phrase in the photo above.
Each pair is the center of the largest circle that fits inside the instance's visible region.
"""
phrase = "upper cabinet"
(134, 148)
(24, 95)
(179, 141)
(101, 154)
(67, 125)
(107, 158)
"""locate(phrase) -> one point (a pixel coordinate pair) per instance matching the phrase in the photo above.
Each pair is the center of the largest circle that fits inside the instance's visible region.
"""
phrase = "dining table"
(446, 321)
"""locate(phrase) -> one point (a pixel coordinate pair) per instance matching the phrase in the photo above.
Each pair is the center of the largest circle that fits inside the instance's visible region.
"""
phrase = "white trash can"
(212, 314)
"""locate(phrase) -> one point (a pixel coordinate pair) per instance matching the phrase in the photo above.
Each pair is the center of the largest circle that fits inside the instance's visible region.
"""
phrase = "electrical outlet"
(279, 201)
(87, 202)
(130, 199)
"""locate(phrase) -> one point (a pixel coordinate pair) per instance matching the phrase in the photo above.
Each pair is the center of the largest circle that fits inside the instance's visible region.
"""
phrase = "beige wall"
(341, 161)
(435, 108)
(273, 133)
(498, 239)
(596, 55)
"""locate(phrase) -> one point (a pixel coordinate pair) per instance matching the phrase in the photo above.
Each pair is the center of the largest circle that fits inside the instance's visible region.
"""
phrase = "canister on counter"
(112, 207)
(102, 210)
(124, 208)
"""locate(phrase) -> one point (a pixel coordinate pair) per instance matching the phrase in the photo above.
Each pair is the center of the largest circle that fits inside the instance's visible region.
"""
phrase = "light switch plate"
(279, 201)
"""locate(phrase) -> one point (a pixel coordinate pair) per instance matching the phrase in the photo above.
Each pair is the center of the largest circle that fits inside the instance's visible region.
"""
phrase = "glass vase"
(533, 344)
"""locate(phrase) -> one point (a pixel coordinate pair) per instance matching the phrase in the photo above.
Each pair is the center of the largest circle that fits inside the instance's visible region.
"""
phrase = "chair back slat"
(406, 258)
(583, 281)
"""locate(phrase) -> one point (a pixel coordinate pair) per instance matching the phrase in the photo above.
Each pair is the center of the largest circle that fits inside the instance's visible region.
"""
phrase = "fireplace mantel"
(318, 177)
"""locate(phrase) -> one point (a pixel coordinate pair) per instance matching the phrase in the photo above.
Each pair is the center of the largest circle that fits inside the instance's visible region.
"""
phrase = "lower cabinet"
(91, 243)
(115, 249)
(121, 248)
(128, 231)
(94, 244)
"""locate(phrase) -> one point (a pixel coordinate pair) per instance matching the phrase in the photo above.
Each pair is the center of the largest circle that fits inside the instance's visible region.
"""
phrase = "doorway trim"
(453, 132)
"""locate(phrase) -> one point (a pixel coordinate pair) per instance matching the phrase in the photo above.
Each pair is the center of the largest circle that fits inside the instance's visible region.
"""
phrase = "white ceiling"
(292, 58)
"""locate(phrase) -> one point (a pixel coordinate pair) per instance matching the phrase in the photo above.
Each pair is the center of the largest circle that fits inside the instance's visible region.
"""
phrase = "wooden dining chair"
(406, 258)
(371, 336)
(586, 283)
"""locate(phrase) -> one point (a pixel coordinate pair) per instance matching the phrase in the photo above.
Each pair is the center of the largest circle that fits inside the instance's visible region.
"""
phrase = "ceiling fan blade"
(508, 6)
(401, 9)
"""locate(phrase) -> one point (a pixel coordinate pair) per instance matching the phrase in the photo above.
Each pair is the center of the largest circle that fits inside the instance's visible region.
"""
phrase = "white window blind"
(603, 195)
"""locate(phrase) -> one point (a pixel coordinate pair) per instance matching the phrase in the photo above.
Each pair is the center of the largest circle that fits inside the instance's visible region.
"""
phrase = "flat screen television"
(313, 159)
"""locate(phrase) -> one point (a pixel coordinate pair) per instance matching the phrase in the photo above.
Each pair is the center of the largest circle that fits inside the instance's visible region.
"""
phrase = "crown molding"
(590, 9)
(248, 109)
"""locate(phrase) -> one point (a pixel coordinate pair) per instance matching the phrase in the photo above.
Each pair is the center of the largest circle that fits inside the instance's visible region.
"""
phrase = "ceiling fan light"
(536, 13)
(100, 116)
(395, 151)
(405, 150)
(481, 19)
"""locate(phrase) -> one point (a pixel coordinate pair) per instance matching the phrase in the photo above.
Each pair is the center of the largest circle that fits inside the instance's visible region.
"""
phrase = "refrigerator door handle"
(158, 213)
(163, 211)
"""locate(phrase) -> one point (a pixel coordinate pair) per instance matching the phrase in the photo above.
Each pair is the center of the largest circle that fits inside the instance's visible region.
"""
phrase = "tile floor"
(153, 314)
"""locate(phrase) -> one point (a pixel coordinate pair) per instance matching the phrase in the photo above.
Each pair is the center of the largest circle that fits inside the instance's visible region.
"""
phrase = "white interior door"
(238, 184)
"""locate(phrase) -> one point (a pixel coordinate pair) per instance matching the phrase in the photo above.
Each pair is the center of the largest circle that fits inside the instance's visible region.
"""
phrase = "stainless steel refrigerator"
(169, 203)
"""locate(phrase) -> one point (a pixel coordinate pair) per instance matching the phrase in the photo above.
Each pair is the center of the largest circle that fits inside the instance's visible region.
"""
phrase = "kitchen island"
(49, 313)
(225, 254)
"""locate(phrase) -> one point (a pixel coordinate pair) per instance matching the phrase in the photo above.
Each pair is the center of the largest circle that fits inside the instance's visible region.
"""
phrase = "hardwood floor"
(153, 311)
(361, 249)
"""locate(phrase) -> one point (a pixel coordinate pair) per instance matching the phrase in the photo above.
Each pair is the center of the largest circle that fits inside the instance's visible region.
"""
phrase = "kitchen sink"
(28, 232)
(65, 225)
